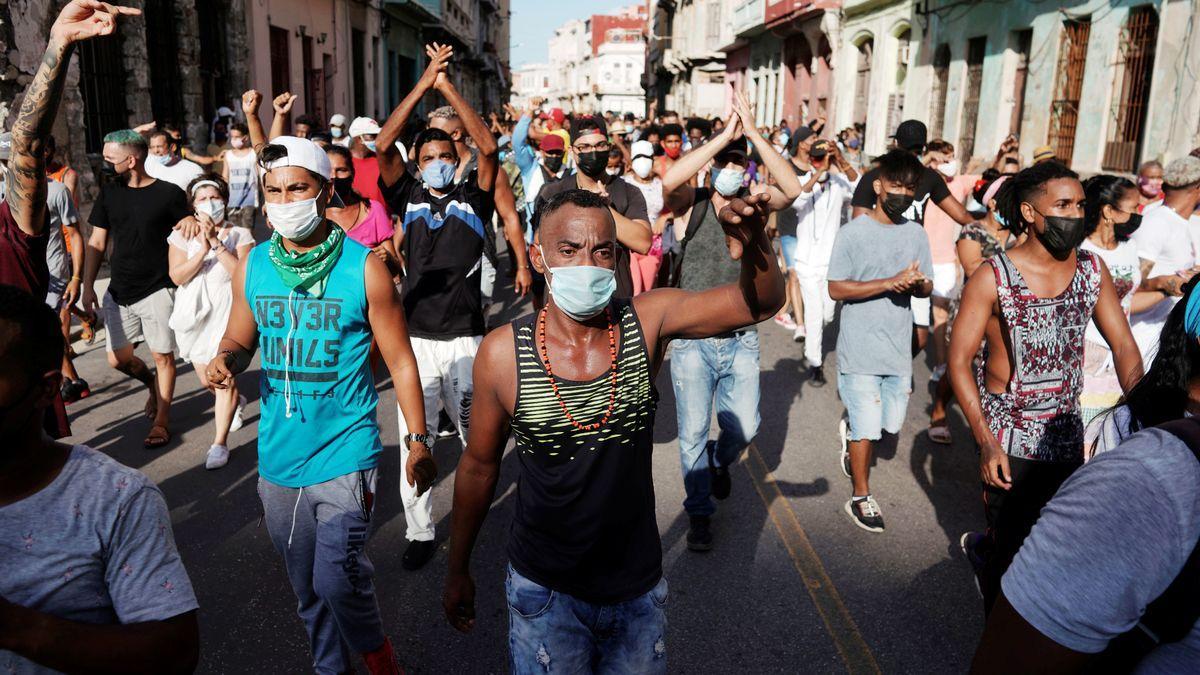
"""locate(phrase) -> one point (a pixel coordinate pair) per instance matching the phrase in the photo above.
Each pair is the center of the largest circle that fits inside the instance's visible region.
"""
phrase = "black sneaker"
(417, 554)
(446, 427)
(73, 390)
(699, 536)
(719, 480)
(969, 543)
(865, 513)
(816, 376)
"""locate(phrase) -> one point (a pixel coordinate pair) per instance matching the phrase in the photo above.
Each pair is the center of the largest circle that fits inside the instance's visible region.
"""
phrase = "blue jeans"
(727, 367)
(552, 632)
(874, 403)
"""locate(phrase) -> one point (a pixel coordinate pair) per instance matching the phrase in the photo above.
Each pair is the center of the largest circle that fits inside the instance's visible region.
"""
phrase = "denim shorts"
(874, 403)
(787, 246)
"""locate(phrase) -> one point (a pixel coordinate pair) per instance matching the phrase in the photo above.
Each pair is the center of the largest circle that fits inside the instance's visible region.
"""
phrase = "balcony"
(748, 14)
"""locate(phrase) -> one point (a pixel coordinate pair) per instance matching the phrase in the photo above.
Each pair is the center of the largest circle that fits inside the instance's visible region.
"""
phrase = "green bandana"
(309, 270)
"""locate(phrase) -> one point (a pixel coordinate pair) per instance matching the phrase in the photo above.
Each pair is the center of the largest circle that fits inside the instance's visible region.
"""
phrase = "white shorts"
(945, 280)
(146, 320)
(921, 308)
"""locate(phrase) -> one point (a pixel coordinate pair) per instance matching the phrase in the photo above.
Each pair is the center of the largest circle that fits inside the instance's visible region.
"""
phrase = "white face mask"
(213, 208)
(238, 143)
(613, 170)
(948, 169)
(294, 220)
(642, 166)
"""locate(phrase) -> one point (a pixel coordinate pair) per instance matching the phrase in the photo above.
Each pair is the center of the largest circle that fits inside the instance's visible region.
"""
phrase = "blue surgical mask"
(162, 159)
(438, 174)
(504, 155)
(728, 181)
(370, 145)
(853, 143)
(999, 219)
(336, 132)
(582, 291)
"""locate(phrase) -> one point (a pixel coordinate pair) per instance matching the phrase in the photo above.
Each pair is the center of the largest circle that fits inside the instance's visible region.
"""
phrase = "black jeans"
(1011, 515)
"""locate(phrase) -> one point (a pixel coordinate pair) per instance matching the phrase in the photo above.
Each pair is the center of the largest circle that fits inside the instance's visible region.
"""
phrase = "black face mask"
(895, 204)
(553, 162)
(344, 187)
(592, 164)
(108, 170)
(1062, 235)
(1126, 229)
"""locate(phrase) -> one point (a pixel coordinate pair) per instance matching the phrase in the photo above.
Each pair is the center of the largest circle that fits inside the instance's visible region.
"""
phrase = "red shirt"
(366, 179)
(23, 264)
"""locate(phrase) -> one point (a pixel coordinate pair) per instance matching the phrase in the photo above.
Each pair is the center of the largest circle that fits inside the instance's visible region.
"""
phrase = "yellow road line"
(841, 627)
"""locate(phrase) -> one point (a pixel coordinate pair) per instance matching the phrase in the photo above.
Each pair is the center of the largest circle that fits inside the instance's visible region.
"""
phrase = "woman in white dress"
(202, 267)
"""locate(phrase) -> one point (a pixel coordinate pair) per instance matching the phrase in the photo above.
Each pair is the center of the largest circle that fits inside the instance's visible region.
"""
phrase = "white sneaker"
(218, 456)
(844, 455)
(238, 414)
(937, 373)
(799, 334)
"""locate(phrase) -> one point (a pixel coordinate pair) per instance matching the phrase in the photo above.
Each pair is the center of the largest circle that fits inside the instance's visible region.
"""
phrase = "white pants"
(818, 309)
(444, 367)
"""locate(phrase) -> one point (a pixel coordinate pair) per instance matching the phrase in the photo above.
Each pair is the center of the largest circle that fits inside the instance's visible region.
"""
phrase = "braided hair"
(1021, 186)
(1103, 190)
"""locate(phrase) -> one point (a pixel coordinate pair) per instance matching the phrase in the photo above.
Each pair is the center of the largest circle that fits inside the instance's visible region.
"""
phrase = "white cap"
(641, 149)
(338, 120)
(224, 112)
(303, 153)
(363, 125)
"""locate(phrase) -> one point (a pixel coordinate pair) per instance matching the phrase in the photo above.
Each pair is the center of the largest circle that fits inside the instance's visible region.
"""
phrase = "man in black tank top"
(574, 382)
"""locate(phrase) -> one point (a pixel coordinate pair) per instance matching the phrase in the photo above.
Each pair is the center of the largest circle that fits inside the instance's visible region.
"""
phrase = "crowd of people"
(1060, 314)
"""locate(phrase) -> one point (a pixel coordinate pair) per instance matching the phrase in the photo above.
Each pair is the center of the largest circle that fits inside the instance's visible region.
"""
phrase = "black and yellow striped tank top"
(584, 519)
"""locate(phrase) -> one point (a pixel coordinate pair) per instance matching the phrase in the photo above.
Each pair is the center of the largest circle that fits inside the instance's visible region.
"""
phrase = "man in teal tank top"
(311, 301)
(574, 382)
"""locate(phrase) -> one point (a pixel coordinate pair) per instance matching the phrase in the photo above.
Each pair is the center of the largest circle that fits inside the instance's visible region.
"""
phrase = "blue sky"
(533, 23)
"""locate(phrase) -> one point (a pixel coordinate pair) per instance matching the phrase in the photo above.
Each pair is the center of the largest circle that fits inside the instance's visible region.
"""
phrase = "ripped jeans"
(551, 632)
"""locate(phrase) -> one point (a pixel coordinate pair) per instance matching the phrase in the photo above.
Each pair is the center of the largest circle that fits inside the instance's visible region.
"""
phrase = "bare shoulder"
(497, 348)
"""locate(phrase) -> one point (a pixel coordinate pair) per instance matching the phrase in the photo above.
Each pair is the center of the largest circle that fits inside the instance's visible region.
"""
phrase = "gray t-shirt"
(61, 209)
(1114, 537)
(94, 546)
(875, 335)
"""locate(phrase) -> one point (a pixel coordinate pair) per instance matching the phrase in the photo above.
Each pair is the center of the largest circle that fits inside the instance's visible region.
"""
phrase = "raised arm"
(757, 295)
(478, 471)
(391, 164)
(251, 100)
(485, 142)
(282, 122)
(25, 185)
(787, 183)
(1114, 327)
(524, 153)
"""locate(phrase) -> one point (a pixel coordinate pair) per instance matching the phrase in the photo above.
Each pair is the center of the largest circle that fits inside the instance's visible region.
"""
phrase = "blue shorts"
(874, 403)
(787, 246)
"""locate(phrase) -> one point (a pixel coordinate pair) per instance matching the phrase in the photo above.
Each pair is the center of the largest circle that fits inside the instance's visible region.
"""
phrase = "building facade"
(685, 65)
(530, 81)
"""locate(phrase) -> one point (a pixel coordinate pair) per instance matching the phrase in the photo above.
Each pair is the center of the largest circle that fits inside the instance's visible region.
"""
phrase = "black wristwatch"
(423, 439)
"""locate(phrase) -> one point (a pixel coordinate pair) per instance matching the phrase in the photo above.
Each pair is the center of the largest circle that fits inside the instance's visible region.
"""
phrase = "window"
(102, 86)
(281, 61)
(976, 47)
(162, 55)
(1064, 111)
(941, 83)
(896, 99)
(1135, 65)
(306, 56)
(1023, 41)
(713, 23)
(327, 70)
(213, 18)
(358, 46)
(863, 80)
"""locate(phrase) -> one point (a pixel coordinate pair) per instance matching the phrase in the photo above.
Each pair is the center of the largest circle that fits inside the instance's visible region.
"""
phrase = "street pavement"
(791, 585)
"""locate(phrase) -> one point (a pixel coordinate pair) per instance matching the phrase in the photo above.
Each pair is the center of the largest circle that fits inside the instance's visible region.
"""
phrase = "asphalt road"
(791, 585)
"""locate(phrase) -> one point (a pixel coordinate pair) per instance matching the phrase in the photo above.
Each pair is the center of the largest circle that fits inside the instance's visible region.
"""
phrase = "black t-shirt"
(444, 239)
(626, 200)
(930, 184)
(138, 221)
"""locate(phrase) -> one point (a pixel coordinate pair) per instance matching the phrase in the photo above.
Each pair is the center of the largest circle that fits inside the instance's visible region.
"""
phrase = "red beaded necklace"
(612, 394)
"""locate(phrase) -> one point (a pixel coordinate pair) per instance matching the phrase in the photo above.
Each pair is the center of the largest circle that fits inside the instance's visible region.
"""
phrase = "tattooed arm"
(26, 180)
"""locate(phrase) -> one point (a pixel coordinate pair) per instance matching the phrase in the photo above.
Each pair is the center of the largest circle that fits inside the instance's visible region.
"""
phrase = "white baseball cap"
(338, 120)
(641, 149)
(361, 126)
(224, 111)
(303, 153)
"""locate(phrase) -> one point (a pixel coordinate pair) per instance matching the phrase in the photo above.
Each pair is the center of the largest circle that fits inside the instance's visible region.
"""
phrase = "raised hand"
(439, 59)
(283, 103)
(85, 19)
(745, 111)
(251, 100)
(743, 219)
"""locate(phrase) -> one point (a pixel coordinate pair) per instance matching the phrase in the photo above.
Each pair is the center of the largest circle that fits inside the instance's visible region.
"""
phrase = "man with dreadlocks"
(1032, 304)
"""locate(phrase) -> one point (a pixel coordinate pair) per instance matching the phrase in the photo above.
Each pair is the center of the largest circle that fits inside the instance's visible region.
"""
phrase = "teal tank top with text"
(317, 394)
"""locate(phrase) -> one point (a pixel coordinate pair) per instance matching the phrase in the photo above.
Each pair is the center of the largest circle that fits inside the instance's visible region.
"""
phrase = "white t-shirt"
(1125, 269)
(653, 194)
(818, 216)
(1165, 239)
(180, 173)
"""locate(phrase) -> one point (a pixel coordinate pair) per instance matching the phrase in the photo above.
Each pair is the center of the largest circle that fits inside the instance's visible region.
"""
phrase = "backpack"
(1172, 615)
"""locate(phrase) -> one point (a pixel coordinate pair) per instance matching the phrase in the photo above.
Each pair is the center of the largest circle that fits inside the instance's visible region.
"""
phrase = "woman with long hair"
(366, 221)
(1111, 217)
(1170, 390)
(202, 267)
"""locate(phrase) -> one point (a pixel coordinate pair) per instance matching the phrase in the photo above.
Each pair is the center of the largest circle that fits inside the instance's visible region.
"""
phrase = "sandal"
(158, 437)
(939, 432)
(87, 331)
